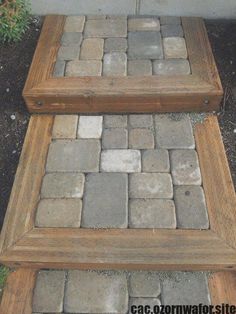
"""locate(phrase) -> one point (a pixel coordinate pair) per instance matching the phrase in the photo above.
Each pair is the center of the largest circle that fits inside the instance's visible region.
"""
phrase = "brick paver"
(122, 171)
(108, 41)
(116, 291)
(191, 208)
(49, 292)
(105, 202)
(92, 292)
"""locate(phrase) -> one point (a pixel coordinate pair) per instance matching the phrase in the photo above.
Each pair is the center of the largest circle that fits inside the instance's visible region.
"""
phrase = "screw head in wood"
(39, 103)
(206, 102)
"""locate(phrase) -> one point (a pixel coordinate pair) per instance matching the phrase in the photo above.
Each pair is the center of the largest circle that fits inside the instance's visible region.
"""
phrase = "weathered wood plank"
(223, 288)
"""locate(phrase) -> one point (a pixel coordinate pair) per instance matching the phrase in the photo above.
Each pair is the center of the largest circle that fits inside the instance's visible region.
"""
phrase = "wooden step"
(199, 91)
(20, 286)
(24, 245)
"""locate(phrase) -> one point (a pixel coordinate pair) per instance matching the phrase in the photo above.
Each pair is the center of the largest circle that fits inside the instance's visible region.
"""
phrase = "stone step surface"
(118, 46)
(123, 171)
(91, 292)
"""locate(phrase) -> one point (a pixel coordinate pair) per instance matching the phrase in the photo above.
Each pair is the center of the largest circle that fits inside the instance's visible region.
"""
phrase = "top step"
(114, 64)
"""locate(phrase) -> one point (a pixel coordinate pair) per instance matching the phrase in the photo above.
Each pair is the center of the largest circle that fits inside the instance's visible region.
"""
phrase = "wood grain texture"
(222, 288)
(217, 181)
(200, 91)
(121, 249)
(19, 217)
(18, 292)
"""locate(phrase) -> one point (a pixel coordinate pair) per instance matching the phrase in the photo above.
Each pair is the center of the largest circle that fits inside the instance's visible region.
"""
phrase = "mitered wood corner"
(200, 91)
(23, 245)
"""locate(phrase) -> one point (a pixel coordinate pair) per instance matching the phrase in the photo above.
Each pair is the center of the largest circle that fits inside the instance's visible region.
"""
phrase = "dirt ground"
(15, 60)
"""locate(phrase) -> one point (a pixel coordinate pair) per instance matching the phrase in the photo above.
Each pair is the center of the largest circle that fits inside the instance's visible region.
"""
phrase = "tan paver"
(65, 126)
(92, 49)
(74, 24)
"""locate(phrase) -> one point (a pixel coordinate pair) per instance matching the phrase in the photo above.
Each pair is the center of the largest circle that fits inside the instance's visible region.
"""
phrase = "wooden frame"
(200, 91)
(24, 245)
(18, 292)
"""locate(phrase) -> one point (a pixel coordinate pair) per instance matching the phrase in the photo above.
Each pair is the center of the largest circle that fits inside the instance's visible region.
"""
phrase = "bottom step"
(75, 291)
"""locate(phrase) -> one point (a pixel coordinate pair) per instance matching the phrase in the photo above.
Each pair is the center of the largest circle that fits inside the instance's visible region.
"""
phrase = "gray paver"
(139, 67)
(171, 133)
(143, 24)
(115, 64)
(93, 292)
(115, 45)
(84, 68)
(151, 185)
(175, 48)
(106, 28)
(141, 138)
(65, 126)
(74, 24)
(100, 210)
(115, 121)
(59, 213)
(141, 120)
(96, 17)
(49, 292)
(115, 138)
(59, 68)
(144, 284)
(68, 52)
(185, 168)
(92, 49)
(173, 20)
(71, 39)
(171, 67)
(60, 185)
(191, 208)
(145, 45)
(122, 160)
(152, 213)
(155, 160)
(189, 289)
(172, 30)
(77, 155)
(90, 127)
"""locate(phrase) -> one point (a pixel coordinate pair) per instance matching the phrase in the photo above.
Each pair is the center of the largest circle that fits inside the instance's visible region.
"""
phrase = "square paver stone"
(143, 24)
(65, 126)
(139, 67)
(115, 138)
(49, 292)
(90, 127)
(144, 284)
(74, 24)
(115, 64)
(63, 185)
(174, 133)
(191, 207)
(155, 160)
(59, 213)
(106, 28)
(68, 53)
(84, 68)
(76, 155)
(105, 203)
(92, 49)
(145, 45)
(187, 288)
(94, 292)
(150, 185)
(115, 121)
(171, 30)
(141, 138)
(175, 48)
(121, 160)
(152, 213)
(115, 45)
(185, 168)
(140, 120)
